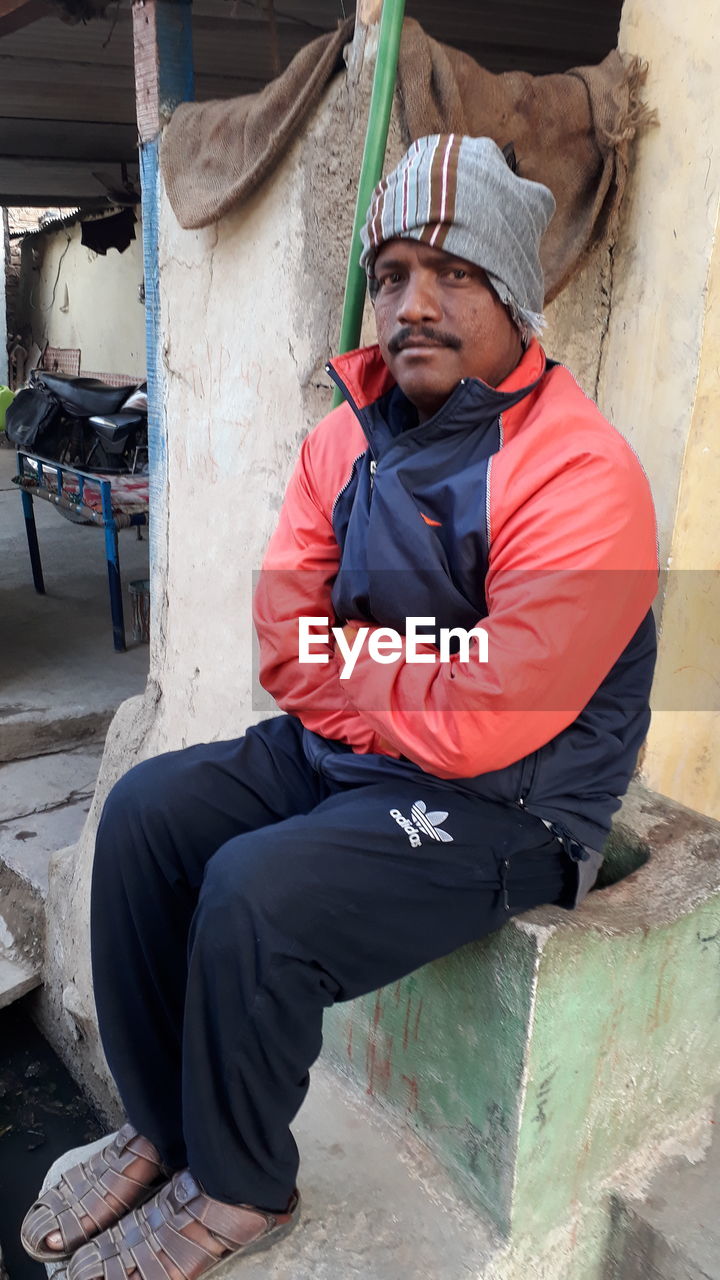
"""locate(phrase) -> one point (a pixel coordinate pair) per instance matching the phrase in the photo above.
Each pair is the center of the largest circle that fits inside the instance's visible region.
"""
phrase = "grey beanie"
(459, 194)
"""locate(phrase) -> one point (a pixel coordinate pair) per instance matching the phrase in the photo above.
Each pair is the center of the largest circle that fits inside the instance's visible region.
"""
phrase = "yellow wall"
(683, 753)
(651, 353)
(658, 376)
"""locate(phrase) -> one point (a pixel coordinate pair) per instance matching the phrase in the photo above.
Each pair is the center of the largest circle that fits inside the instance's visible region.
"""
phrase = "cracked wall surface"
(72, 297)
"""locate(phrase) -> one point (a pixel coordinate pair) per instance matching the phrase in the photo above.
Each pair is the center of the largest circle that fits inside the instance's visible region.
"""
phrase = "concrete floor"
(674, 1232)
(376, 1206)
(60, 678)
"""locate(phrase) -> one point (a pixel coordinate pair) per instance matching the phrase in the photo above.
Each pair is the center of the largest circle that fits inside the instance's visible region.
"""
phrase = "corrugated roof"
(67, 100)
(68, 219)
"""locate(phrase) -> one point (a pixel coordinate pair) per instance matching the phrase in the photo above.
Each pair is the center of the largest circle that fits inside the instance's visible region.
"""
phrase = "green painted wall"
(446, 1048)
(620, 1034)
(625, 1046)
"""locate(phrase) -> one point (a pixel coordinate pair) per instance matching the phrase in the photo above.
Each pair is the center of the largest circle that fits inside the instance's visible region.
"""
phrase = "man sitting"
(481, 544)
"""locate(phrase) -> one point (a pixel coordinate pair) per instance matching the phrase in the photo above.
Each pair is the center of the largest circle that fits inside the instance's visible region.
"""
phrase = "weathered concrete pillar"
(162, 37)
(245, 380)
(684, 743)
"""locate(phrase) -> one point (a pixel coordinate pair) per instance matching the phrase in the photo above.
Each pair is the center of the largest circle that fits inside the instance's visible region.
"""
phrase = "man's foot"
(183, 1231)
(93, 1195)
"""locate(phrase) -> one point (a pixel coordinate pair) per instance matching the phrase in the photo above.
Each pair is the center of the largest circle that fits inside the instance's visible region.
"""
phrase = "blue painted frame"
(75, 501)
(175, 84)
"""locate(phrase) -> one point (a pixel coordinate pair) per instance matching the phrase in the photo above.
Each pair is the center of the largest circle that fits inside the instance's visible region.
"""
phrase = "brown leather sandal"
(142, 1241)
(81, 1193)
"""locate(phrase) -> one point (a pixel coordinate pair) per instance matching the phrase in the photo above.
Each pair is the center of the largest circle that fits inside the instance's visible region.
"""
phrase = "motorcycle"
(82, 423)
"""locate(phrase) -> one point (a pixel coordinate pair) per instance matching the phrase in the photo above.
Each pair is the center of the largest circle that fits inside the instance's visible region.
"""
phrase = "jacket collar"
(363, 378)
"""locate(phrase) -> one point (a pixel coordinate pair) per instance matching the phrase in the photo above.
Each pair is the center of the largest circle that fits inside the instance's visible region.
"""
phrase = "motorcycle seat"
(116, 426)
(82, 397)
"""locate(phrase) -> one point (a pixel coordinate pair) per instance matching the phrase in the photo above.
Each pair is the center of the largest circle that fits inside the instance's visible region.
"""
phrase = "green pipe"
(373, 159)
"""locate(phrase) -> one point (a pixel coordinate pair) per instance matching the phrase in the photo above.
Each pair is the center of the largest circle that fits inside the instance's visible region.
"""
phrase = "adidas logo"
(423, 824)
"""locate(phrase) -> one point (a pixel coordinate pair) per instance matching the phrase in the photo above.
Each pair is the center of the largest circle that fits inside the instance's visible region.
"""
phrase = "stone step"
(46, 781)
(674, 1233)
(17, 977)
(43, 806)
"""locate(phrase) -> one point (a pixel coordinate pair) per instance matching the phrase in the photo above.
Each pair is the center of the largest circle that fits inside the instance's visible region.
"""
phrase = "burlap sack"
(215, 154)
(571, 131)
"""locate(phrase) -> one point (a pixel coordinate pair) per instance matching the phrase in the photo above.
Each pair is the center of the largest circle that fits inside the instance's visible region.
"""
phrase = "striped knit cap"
(459, 194)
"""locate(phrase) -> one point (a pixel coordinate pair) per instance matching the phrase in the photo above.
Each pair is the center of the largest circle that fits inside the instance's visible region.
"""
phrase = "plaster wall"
(245, 380)
(659, 379)
(71, 296)
(649, 372)
(684, 744)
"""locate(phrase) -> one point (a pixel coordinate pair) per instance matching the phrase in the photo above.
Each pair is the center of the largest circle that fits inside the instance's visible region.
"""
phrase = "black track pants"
(235, 896)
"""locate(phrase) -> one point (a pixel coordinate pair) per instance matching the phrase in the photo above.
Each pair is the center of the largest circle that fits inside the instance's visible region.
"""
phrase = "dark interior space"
(42, 1114)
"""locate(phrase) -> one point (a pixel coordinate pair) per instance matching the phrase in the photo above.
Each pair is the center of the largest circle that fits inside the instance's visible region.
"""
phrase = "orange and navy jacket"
(520, 509)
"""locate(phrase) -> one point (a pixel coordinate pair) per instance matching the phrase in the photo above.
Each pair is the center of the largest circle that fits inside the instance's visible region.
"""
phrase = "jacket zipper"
(346, 485)
(527, 777)
(373, 464)
(342, 387)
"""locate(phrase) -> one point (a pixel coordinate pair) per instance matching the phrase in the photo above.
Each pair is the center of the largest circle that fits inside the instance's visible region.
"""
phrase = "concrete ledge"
(43, 806)
(545, 1059)
(17, 978)
(29, 731)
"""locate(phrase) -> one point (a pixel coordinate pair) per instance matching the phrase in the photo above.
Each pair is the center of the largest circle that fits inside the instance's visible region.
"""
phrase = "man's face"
(438, 320)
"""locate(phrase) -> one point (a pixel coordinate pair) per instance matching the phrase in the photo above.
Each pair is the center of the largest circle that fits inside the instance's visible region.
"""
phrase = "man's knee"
(152, 784)
(234, 873)
(258, 906)
(256, 876)
(137, 812)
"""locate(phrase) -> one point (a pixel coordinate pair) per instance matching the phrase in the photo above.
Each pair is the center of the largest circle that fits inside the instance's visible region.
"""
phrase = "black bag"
(33, 411)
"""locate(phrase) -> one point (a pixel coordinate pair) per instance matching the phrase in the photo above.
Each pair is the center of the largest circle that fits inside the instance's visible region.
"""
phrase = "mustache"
(405, 337)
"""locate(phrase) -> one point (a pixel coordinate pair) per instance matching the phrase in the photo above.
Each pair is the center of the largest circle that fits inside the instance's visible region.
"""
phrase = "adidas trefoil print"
(422, 824)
